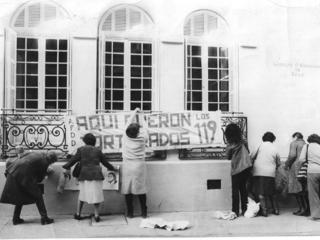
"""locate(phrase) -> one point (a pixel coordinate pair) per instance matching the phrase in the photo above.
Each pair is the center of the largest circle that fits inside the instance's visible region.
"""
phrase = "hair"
(233, 133)
(52, 157)
(314, 138)
(298, 135)
(89, 139)
(268, 137)
(133, 130)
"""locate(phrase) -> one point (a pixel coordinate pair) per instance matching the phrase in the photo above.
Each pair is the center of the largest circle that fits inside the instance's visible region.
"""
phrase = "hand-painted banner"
(165, 130)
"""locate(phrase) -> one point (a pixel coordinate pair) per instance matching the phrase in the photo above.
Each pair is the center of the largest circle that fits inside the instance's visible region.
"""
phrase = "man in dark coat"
(22, 184)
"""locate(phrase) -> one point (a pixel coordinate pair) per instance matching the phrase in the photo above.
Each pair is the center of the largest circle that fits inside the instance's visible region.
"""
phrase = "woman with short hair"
(266, 160)
(91, 176)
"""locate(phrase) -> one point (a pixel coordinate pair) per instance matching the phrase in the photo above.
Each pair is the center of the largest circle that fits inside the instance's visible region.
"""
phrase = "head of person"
(297, 135)
(233, 133)
(314, 138)
(89, 139)
(132, 130)
(51, 157)
(111, 176)
(19, 149)
(268, 137)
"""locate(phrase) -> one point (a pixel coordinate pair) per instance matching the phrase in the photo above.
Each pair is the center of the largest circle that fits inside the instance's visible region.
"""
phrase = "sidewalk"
(202, 225)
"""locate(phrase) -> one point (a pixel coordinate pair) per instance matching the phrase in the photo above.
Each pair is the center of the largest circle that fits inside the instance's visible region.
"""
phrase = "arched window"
(207, 62)
(38, 58)
(126, 53)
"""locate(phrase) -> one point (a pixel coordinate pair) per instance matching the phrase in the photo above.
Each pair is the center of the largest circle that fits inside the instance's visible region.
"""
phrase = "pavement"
(202, 225)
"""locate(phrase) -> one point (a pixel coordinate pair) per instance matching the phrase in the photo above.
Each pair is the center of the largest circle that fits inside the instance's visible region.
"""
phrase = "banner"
(165, 130)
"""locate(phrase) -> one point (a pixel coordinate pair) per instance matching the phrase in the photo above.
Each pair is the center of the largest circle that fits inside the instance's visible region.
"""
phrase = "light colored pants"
(314, 194)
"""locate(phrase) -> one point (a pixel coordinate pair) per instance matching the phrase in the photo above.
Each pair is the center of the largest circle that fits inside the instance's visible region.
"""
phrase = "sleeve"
(105, 162)
(303, 154)
(278, 161)
(292, 155)
(254, 154)
(74, 159)
(229, 152)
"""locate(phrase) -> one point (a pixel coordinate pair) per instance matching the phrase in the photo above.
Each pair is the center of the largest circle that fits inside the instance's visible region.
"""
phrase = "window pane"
(32, 43)
(20, 81)
(51, 56)
(20, 68)
(135, 60)
(107, 71)
(107, 82)
(147, 60)
(146, 95)
(117, 59)
(108, 58)
(118, 95)
(135, 105)
(32, 68)
(50, 105)
(224, 107)
(197, 96)
(224, 85)
(213, 107)
(147, 71)
(146, 106)
(62, 94)
(51, 69)
(62, 105)
(32, 81)
(196, 50)
(196, 62)
(21, 56)
(21, 44)
(51, 44)
(224, 74)
(107, 95)
(212, 51)
(213, 74)
(62, 81)
(20, 93)
(117, 106)
(32, 93)
(196, 73)
(118, 71)
(118, 83)
(32, 104)
(107, 105)
(63, 69)
(147, 49)
(135, 47)
(213, 85)
(223, 63)
(223, 52)
(213, 96)
(135, 83)
(63, 56)
(135, 95)
(63, 44)
(196, 106)
(197, 85)
(147, 83)
(213, 63)
(20, 104)
(135, 71)
(108, 46)
(118, 47)
(224, 97)
(51, 94)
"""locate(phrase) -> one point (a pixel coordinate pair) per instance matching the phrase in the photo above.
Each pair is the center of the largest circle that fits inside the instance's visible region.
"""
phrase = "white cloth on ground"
(225, 215)
(252, 208)
(161, 223)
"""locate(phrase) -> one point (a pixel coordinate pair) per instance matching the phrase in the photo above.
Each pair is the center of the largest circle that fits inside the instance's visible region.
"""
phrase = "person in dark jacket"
(22, 184)
(91, 176)
(237, 152)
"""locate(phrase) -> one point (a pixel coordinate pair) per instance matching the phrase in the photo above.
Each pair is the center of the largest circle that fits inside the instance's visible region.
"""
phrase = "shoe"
(144, 213)
(297, 213)
(77, 216)
(97, 219)
(305, 213)
(264, 212)
(17, 221)
(275, 211)
(46, 220)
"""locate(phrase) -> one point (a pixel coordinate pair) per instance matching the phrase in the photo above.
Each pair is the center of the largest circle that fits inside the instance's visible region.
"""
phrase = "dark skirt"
(14, 193)
(263, 186)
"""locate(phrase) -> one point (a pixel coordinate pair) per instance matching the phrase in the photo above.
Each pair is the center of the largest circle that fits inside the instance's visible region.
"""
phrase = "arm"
(132, 118)
(105, 162)
(278, 162)
(229, 151)
(74, 159)
(292, 156)
(303, 154)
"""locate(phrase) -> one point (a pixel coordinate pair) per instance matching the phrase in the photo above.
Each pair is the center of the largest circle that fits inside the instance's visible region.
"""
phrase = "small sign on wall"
(111, 181)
